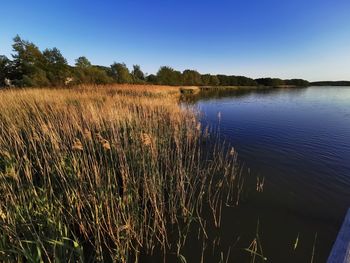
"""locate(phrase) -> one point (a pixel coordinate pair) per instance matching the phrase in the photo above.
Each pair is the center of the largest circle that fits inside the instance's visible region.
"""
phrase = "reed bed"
(98, 174)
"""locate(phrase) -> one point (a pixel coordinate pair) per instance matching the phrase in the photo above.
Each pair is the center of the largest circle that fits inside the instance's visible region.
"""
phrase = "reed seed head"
(77, 146)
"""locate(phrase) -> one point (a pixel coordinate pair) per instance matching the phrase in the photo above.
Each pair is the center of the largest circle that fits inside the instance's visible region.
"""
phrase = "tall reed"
(101, 173)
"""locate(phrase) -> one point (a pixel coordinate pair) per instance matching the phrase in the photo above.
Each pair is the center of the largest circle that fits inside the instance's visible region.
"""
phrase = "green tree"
(205, 79)
(137, 74)
(191, 78)
(57, 69)
(169, 76)
(244, 81)
(82, 62)
(81, 70)
(224, 80)
(28, 64)
(5, 65)
(120, 73)
(297, 82)
(270, 82)
(151, 79)
(214, 80)
(97, 75)
(86, 73)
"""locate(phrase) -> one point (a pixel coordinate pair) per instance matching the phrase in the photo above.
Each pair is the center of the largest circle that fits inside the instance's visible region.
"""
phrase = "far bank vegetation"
(31, 67)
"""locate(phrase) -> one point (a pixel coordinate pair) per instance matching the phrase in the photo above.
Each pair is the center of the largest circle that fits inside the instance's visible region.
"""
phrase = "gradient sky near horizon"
(257, 38)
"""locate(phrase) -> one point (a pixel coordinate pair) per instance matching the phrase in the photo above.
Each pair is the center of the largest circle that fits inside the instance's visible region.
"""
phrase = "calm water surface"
(299, 141)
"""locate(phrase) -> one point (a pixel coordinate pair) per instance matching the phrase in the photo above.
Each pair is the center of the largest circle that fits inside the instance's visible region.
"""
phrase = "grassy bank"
(100, 173)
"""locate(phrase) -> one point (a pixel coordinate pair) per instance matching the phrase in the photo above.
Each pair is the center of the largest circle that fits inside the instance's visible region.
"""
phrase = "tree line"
(331, 83)
(30, 67)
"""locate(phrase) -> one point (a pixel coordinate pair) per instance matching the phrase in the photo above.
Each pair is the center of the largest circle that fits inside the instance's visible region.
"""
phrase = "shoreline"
(192, 90)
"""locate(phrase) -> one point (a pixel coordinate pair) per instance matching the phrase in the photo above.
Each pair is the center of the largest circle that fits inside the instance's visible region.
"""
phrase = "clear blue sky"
(279, 38)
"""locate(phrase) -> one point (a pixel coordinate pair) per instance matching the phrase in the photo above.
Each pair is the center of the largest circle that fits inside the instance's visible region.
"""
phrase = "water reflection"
(299, 140)
(221, 93)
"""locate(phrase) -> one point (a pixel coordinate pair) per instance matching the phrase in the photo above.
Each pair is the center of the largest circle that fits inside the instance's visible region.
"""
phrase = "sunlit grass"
(100, 173)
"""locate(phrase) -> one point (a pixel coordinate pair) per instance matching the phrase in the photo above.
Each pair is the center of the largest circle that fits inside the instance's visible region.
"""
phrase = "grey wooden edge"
(341, 248)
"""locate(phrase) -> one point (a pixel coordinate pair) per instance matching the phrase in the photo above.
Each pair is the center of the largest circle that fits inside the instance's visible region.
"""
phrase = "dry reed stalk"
(105, 170)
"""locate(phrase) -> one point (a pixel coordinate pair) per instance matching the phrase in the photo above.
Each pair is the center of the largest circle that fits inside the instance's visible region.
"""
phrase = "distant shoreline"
(330, 83)
(196, 89)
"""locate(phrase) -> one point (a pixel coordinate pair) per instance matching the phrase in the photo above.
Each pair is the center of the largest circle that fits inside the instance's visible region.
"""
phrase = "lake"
(299, 141)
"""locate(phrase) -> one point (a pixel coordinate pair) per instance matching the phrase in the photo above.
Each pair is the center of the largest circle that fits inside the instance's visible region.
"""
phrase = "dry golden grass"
(99, 173)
